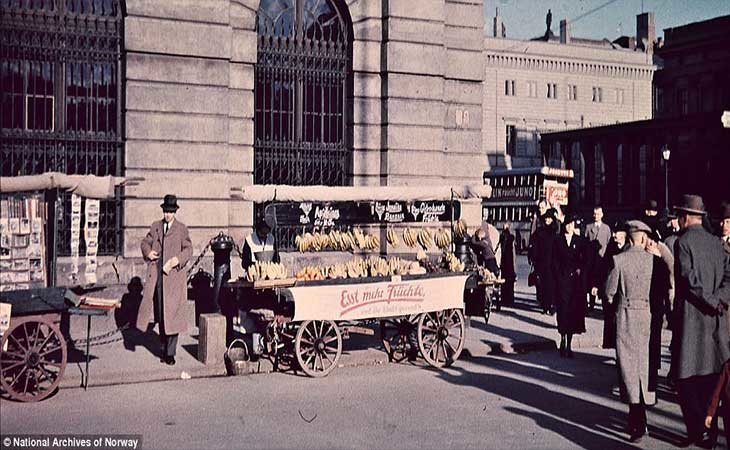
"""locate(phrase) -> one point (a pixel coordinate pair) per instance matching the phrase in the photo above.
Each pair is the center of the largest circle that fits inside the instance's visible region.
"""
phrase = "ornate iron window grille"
(61, 98)
(301, 81)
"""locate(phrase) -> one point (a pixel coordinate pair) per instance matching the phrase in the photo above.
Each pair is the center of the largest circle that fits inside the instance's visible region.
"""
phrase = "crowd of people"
(658, 269)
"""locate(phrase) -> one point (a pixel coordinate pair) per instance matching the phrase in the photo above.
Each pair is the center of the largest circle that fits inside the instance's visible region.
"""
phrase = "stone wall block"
(177, 38)
(176, 127)
(177, 98)
(176, 69)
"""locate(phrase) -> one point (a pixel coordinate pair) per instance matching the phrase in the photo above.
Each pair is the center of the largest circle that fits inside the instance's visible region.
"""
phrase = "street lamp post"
(665, 156)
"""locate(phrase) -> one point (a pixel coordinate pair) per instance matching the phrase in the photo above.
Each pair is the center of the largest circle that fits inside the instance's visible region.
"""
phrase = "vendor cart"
(418, 313)
(33, 349)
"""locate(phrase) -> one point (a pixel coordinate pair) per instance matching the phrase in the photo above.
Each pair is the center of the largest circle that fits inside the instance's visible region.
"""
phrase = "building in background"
(622, 166)
(555, 83)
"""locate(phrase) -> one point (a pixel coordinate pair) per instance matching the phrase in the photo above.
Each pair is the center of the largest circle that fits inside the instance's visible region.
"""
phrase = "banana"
(392, 238)
(460, 228)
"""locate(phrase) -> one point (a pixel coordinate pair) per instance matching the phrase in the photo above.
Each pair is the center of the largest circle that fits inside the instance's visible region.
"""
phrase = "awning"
(89, 186)
(286, 193)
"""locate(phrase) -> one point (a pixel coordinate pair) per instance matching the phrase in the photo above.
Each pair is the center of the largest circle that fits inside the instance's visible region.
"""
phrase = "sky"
(525, 19)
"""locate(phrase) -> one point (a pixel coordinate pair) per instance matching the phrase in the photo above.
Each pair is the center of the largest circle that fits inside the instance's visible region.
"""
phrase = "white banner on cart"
(381, 299)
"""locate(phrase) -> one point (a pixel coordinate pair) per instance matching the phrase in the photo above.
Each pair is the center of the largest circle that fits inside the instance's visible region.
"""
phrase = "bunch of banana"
(310, 273)
(356, 268)
(453, 263)
(398, 266)
(337, 271)
(425, 239)
(359, 237)
(460, 228)
(266, 271)
(410, 237)
(335, 240)
(377, 267)
(393, 238)
(442, 239)
(304, 243)
(486, 275)
(371, 242)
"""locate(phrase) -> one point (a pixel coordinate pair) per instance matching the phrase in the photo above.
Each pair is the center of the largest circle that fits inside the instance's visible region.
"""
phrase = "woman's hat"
(169, 204)
(691, 204)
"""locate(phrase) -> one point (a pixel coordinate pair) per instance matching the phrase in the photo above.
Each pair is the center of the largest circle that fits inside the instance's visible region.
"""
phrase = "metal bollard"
(221, 246)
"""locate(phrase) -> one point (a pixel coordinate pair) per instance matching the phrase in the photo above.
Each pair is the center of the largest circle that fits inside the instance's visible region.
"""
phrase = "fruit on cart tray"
(453, 263)
(310, 273)
(266, 271)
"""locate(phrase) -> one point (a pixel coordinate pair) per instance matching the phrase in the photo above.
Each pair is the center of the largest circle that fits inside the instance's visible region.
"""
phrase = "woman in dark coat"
(569, 270)
(540, 255)
(507, 265)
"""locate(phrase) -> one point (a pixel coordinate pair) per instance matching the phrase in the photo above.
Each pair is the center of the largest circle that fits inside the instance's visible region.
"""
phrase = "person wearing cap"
(702, 293)
(166, 249)
(540, 256)
(628, 289)
(568, 266)
(259, 246)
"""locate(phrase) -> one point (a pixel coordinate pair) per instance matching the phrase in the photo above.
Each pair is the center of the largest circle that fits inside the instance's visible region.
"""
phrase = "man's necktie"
(166, 227)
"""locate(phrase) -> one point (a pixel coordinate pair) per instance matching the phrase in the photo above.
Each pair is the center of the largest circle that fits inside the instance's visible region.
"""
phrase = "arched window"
(301, 79)
(60, 104)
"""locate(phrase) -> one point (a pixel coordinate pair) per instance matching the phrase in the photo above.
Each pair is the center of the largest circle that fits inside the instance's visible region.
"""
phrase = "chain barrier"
(98, 340)
(197, 261)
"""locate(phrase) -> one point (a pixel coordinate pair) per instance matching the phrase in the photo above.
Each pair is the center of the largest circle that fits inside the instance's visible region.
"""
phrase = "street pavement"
(535, 400)
(510, 389)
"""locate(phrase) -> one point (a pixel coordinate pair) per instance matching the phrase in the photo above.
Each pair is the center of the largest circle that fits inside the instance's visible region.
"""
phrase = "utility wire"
(592, 11)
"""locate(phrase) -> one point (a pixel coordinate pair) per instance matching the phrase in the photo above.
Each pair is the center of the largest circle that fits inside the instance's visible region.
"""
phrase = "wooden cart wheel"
(441, 336)
(318, 346)
(33, 363)
(399, 337)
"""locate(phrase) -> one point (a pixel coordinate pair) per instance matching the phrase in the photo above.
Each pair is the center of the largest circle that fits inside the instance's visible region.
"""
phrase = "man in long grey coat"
(628, 287)
(702, 292)
(166, 249)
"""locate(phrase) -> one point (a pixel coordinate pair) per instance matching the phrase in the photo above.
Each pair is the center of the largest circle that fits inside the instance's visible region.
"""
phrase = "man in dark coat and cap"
(702, 275)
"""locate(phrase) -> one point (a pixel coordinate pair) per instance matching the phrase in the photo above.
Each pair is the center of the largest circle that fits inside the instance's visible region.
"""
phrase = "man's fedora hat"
(637, 225)
(725, 211)
(169, 204)
(652, 205)
(691, 204)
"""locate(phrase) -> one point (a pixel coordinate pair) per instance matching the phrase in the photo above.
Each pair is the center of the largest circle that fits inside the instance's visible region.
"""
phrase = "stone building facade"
(555, 83)
(187, 104)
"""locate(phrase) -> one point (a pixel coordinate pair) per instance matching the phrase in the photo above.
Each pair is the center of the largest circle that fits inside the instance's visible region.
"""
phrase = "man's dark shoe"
(637, 436)
(170, 360)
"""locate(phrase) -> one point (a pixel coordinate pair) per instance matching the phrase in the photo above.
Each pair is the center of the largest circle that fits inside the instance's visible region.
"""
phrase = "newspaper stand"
(418, 313)
(33, 349)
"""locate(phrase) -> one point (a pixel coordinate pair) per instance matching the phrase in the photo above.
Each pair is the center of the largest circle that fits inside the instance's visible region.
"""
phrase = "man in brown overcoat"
(166, 249)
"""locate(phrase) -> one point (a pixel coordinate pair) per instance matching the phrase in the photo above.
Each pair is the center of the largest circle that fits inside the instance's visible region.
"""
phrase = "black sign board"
(337, 214)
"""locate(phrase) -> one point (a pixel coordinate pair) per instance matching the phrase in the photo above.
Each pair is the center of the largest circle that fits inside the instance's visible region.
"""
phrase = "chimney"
(497, 30)
(564, 32)
(645, 31)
